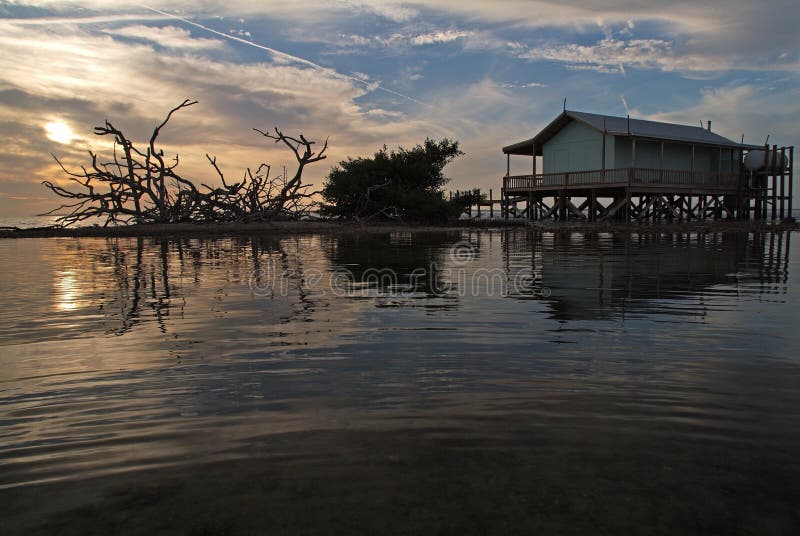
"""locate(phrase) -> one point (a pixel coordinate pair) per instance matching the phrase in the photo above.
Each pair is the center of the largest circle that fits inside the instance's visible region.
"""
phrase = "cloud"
(611, 55)
(522, 85)
(378, 112)
(288, 58)
(438, 37)
(388, 9)
(407, 42)
(693, 36)
(396, 40)
(166, 36)
(755, 110)
(86, 20)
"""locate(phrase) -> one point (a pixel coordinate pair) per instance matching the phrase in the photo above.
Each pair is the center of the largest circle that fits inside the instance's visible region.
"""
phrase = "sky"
(364, 73)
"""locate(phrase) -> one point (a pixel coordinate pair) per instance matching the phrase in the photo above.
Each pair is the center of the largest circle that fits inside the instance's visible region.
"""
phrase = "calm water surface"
(667, 359)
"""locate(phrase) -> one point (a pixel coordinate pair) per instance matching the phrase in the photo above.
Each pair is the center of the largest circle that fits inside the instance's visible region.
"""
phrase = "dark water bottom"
(501, 476)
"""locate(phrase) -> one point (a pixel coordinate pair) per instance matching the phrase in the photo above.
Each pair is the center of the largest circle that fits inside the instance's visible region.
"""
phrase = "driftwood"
(140, 186)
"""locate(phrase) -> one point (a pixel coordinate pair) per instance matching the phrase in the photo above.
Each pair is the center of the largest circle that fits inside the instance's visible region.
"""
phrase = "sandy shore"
(302, 227)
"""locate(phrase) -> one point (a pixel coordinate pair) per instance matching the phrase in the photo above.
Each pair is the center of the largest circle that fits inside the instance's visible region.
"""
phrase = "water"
(475, 381)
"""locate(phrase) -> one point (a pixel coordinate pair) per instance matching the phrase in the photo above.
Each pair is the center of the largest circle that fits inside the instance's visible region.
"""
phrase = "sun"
(59, 132)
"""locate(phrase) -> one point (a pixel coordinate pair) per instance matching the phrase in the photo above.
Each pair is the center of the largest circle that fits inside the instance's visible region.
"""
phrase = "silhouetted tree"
(139, 186)
(403, 183)
(258, 197)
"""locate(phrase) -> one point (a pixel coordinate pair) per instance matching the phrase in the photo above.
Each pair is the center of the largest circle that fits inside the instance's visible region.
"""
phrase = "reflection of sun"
(59, 132)
(67, 292)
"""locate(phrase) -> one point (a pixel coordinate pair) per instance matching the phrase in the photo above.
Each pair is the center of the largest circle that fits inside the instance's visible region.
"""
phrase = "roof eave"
(723, 142)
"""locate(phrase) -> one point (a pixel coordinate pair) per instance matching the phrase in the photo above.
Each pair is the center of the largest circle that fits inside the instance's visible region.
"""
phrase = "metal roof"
(623, 126)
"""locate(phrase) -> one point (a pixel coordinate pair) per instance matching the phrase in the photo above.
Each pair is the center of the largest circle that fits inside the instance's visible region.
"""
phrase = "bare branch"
(139, 185)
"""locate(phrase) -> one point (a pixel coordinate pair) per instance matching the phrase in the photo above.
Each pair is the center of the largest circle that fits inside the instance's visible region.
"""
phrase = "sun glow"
(67, 295)
(59, 132)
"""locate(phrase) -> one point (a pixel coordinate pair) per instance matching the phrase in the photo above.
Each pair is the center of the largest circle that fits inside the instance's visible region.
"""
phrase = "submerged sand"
(515, 480)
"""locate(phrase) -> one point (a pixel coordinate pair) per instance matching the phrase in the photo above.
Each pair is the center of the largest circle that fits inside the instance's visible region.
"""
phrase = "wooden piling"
(771, 171)
(689, 207)
(791, 179)
(783, 179)
(529, 211)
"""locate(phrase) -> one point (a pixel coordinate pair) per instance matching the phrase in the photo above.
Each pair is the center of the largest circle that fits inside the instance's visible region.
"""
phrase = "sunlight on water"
(66, 291)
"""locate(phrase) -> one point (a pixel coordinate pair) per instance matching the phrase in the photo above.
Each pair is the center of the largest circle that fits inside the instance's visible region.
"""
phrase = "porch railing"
(643, 176)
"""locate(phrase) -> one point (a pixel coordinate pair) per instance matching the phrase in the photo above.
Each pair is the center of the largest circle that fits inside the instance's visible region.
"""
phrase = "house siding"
(676, 156)
(576, 147)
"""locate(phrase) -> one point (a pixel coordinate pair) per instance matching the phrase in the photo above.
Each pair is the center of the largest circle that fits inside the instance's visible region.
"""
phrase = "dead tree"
(136, 186)
(140, 186)
(259, 197)
(290, 195)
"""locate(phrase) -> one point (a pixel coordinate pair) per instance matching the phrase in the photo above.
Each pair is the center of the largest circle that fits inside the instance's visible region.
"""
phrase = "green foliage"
(405, 183)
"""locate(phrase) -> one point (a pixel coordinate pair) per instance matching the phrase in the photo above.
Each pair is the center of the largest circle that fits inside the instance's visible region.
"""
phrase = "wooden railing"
(684, 178)
(646, 176)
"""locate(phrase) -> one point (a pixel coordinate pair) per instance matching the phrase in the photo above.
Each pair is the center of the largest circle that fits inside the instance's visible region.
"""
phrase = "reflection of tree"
(282, 260)
(393, 264)
(138, 280)
(593, 275)
(142, 281)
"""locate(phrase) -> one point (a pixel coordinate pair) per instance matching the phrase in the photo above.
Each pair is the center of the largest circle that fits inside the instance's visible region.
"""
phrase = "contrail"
(290, 57)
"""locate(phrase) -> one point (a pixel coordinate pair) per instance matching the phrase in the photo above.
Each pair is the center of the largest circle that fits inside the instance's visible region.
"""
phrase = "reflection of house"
(646, 168)
(593, 276)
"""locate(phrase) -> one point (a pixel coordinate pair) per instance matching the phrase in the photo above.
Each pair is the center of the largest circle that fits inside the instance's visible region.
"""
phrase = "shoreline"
(304, 227)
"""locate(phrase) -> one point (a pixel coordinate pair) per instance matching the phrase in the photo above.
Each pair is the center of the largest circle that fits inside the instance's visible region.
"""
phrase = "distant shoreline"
(303, 227)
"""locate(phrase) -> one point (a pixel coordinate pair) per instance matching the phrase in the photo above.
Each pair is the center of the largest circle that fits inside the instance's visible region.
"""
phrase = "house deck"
(637, 179)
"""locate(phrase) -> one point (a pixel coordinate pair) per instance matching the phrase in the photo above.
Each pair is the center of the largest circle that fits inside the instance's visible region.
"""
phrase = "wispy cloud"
(432, 38)
(611, 55)
(287, 57)
(83, 21)
(165, 36)
(753, 109)
(407, 42)
(522, 84)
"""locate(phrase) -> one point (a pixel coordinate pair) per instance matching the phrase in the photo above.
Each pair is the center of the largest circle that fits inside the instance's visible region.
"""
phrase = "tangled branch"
(141, 186)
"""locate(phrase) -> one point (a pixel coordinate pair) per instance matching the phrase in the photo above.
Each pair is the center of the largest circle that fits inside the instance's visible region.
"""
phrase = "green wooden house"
(645, 168)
